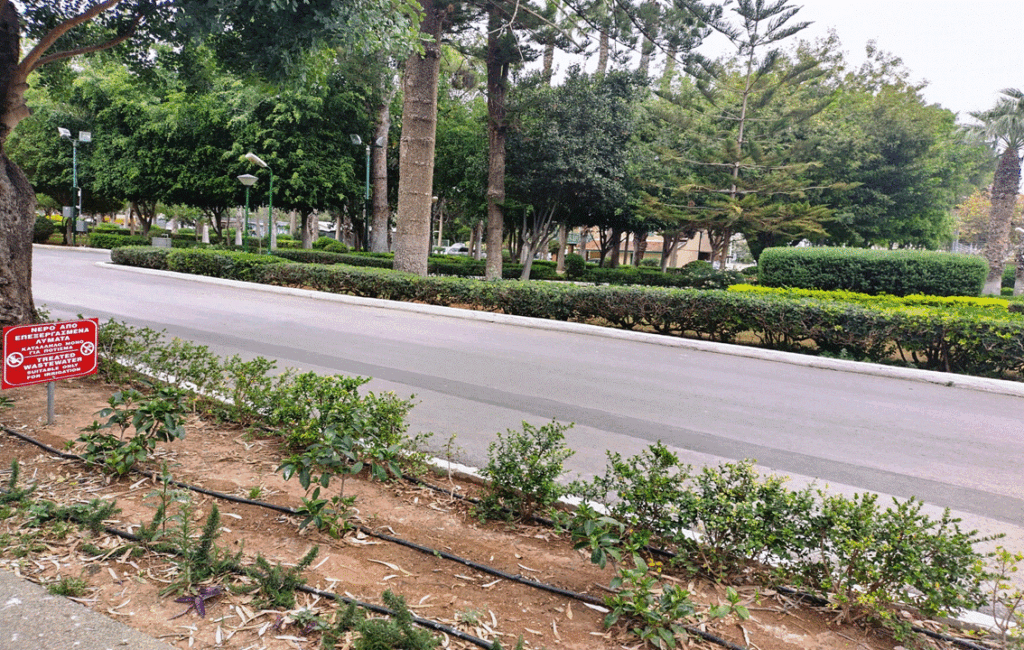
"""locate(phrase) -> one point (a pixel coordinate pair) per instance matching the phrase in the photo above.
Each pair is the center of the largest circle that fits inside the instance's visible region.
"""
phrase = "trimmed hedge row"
(993, 306)
(114, 240)
(967, 342)
(898, 273)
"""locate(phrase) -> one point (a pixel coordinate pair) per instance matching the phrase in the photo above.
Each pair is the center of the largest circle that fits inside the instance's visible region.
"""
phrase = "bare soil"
(233, 461)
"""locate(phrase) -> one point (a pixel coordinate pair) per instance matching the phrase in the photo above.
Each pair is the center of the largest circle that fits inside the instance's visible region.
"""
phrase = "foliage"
(114, 240)
(68, 586)
(870, 560)
(276, 584)
(330, 244)
(12, 493)
(219, 264)
(156, 417)
(395, 633)
(898, 273)
(656, 610)
(42, 230)
(1006, 599)
(523, 468)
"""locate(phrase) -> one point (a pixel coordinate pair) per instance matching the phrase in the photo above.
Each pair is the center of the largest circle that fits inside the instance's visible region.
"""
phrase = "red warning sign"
(45, 352)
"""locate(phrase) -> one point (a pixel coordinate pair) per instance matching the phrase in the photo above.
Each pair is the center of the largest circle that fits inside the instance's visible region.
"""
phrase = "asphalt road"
(952, 446)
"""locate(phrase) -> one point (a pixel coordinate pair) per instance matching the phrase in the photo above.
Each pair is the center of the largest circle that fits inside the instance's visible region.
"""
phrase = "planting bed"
(233, 461)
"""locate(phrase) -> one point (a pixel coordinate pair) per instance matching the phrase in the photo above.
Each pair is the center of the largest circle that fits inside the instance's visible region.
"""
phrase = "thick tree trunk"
(379, 224)
(416, 149)
(497, 90)
(17, 219)
(639, 247)
(1004, 196)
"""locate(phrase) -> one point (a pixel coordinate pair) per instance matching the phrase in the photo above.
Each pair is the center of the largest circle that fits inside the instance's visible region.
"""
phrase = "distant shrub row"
(898, 273)
(976, 342)
(992, 305)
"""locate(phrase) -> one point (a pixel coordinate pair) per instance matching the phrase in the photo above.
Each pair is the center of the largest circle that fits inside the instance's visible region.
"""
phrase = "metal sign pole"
(50, 417)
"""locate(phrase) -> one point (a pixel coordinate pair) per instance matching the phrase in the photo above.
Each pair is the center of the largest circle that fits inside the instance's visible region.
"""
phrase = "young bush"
(870, 560)
(523, 467)
(575, 267)
(42, 230)
(146, 256)
(110, 240)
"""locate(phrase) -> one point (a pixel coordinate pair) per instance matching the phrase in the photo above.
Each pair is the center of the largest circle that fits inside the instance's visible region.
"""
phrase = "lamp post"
(379, 142)
(248, 180)
(256, 160)
(76, 192)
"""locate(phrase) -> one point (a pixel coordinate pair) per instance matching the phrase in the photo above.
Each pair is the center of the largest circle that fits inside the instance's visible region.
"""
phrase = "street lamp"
(76, 192)
(256, 160)
(379, 142)
(248, 180)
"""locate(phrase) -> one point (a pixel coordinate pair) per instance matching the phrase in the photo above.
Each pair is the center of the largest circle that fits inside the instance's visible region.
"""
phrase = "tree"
(1003, 127)
(60, 29)
(905, 165)
(569, 152)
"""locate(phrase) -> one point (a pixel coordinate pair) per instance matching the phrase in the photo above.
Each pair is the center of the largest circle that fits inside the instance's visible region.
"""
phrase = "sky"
(967, 50)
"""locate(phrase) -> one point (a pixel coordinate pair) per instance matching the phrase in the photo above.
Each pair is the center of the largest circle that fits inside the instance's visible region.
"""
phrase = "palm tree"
(1003, 127)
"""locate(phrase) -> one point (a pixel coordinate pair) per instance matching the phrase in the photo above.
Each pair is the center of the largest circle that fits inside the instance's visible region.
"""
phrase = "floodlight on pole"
(256, 160)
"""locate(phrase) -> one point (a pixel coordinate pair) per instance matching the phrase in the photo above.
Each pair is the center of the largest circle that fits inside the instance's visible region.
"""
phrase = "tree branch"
(34, 58)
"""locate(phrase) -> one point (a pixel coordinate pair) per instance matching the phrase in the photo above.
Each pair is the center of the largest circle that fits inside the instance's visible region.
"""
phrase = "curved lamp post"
(256, 160)
(248, 180)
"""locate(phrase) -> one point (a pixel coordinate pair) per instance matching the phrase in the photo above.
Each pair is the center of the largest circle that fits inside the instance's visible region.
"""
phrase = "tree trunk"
(416, 149)
(602, 51)
(615, 246)
(379, 225)
(307, 226)
(497, 90)
(1004, 196)
(640, 247)
(549, 58)
(563, 240)
(17, 219)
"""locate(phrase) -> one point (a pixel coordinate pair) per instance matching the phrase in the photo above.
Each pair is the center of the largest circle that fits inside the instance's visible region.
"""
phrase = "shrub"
(898, 273)
(330, 244)
(219, 264)
(575, 266)
(113, 240)
(147, 257)
(523, 468)
(1009, 277)
(42, 230)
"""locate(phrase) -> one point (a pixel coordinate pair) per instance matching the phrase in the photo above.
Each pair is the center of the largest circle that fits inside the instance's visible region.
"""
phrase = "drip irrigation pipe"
(584, 598)
(377, 609)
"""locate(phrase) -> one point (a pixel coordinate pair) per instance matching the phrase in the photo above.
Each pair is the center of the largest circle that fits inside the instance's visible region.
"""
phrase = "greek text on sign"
(45, 352)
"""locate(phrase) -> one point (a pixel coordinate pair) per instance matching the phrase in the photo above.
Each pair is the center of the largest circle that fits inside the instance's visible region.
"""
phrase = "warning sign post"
(46, 352)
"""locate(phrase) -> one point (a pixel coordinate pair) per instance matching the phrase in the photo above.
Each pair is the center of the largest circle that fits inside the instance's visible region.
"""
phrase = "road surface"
(951, 446)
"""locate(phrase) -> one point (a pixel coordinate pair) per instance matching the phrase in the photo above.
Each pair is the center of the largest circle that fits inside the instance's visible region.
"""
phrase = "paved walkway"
(32, 619)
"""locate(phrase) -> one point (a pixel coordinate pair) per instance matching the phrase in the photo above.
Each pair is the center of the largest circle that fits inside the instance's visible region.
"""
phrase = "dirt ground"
(232, 461)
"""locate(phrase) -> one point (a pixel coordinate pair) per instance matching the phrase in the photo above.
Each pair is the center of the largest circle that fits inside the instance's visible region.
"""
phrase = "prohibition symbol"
(87, 348)
(15, 359)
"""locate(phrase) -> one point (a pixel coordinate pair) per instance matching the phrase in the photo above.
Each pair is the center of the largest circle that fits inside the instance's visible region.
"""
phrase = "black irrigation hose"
(377, 609)
(585, 598)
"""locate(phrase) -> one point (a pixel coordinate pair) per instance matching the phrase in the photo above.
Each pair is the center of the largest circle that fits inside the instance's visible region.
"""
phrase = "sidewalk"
(32, 619)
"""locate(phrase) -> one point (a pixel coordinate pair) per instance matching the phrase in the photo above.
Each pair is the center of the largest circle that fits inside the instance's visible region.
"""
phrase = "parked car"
(457, 249)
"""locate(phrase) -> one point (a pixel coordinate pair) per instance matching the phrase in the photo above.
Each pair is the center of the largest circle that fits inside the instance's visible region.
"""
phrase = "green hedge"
(146, 257)
(898, 273)
(962, 303)
(220, 264)
(114, 240)
(982, 341)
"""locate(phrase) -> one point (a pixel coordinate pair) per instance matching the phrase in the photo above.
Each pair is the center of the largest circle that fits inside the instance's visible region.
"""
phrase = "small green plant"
(601, 535)
(6, 403)
(276, 585)
(523, 468)
(655, 610)
(68, 586)
(196, 554)
(12, 493)
(1006, 599)
(396, 633)
(731, 606)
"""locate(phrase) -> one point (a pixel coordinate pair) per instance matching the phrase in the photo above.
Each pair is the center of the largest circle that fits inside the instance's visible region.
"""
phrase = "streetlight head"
(85, 136)
(1019, 229)
(64, 133)
(355, 139)
(379, 142)
(256, 160)
(247, 179)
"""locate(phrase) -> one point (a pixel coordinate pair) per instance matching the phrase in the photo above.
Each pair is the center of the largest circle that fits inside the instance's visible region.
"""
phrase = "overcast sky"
(967, 50)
